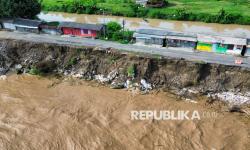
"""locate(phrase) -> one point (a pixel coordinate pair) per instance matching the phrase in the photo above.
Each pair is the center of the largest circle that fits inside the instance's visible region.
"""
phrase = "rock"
(234, 108)
(115, 85)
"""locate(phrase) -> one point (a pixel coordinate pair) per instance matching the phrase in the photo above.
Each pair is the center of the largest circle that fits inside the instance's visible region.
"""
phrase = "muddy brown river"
(136, 23)
(48, 114)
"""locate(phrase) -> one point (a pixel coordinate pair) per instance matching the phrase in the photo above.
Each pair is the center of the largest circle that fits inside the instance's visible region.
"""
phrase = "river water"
(49, 114)
(136, 23)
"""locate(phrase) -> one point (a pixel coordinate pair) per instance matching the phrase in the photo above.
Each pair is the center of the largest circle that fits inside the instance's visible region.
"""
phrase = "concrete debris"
(233, 98)
(145, 86)
(111, 76)
(78, 75)
(128, 84)
(101, 78)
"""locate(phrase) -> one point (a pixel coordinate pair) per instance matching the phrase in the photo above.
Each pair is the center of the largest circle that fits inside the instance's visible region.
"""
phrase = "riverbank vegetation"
(115, 32)
(16, 8)
(216, 11)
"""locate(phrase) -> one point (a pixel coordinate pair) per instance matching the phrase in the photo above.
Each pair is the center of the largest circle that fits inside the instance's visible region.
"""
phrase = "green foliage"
(217, 11)
(112, 28)
(34, 71)
(17, 8)
(115, 33)
(131, 71)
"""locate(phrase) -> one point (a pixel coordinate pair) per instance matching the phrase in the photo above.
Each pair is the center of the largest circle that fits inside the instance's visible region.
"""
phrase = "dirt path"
(36, 113)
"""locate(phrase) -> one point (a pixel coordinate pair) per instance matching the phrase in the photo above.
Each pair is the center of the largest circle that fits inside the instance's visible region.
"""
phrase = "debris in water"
(3, 77)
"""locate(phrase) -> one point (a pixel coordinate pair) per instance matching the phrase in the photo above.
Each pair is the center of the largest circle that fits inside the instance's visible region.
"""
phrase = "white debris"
(19, 66)
(101, 78)
(233, 98)
(111, 76)
(191, 101)
(145, 85)
(3, 77)
(78, 75)
(128, 84)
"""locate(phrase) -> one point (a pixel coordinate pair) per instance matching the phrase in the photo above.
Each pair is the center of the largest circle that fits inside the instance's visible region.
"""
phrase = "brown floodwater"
(136, 23)
(48, 114)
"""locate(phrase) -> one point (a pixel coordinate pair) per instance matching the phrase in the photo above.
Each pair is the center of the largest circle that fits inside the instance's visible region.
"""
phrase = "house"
(165, 38)
(220, 44)
(84, 30)
(26, 25)
(7, 24)
(181, 40)
(247, 53)
(141, 2)
(206, 43)
(155, 3)
(232, 45)
(151, 37)
(50, 28)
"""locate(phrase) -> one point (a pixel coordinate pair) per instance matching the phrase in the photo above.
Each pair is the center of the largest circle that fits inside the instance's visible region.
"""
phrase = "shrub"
(34, 71)
(131, 71)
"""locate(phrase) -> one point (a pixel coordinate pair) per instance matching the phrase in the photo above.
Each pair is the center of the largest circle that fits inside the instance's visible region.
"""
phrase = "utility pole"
(123, 27)
(104, 22)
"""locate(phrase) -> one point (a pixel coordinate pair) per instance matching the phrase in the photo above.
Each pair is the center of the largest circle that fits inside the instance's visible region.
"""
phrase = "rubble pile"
(233, 98)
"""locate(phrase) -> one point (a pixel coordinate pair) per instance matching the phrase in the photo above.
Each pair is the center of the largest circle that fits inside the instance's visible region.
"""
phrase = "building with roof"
(151, 37)
(141, 2)
(84, 30)
(27, 25)
(50, 28)
(181, 40)
(7, 24)
(247, 53)
(221, 44)
(164, 38)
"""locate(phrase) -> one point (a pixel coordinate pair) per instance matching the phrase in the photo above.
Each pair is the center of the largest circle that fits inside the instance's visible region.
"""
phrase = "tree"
(113, 27)
(19, 8)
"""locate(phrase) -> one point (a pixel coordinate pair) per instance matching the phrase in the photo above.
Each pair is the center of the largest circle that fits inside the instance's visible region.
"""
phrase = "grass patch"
(131, 71)
(34, 71)
(236, 11)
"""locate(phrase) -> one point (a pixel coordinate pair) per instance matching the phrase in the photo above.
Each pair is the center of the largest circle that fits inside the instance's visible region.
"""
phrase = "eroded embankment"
(86, 62)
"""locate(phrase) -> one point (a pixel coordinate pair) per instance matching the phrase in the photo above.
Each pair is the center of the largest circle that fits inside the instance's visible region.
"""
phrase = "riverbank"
(110, 66)
(41, 113)
(205, 11)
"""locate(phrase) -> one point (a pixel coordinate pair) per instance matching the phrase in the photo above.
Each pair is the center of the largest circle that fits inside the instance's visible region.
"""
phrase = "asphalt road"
(175, 53)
